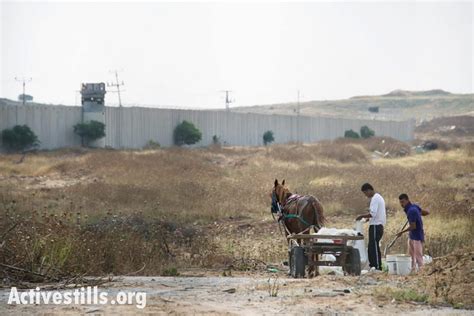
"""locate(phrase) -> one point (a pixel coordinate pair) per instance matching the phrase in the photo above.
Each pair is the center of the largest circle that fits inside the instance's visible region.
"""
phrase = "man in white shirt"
(377, 220)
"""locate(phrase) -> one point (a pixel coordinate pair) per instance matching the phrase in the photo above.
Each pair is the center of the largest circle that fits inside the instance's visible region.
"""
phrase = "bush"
(152, 145)
(20, 137)
(351, 134)
(170, 272)
(186, 134)
(216, 140)
(90, 131)
(366, 132)
(268, 138)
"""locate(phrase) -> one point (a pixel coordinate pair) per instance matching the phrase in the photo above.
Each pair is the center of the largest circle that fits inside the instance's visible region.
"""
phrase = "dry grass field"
(160, 211)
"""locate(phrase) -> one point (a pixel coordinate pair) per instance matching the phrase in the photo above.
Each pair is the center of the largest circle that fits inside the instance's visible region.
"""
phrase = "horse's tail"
(319, 211)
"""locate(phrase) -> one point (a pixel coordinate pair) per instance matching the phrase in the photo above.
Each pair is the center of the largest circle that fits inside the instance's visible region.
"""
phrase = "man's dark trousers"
(375, 256)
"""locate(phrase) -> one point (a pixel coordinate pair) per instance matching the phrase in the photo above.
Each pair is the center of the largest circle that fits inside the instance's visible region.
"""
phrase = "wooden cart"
(304, 247)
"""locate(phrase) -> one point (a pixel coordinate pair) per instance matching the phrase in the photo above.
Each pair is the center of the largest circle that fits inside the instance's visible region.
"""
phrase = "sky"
(185, 54)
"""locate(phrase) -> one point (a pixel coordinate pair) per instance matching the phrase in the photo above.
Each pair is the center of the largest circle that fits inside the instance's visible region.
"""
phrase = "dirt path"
(243, 295)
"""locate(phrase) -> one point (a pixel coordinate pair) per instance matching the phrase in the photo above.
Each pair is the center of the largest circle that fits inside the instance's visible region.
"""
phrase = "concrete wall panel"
(133, 127)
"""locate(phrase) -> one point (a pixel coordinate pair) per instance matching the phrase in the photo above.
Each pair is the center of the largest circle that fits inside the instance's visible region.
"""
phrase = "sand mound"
(462, 125)
(450, 279)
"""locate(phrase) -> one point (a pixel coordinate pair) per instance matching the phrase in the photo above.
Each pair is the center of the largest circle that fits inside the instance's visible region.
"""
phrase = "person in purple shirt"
(416, 233)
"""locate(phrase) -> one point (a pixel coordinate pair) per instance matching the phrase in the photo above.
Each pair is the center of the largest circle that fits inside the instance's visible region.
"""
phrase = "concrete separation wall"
(52, 124)
(133, 127)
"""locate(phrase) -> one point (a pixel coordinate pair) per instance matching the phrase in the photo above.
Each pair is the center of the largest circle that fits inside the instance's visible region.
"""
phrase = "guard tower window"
(93, 94)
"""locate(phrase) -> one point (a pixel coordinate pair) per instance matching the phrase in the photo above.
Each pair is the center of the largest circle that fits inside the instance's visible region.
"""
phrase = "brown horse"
(298, 213)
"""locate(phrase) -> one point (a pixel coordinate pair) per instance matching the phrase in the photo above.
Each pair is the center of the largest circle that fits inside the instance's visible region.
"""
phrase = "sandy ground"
(243, 295)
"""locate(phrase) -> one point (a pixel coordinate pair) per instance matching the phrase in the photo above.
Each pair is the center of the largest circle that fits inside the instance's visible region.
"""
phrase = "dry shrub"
(344, 153)
(394, 147)
(469, 148)
(449, 279)
(291, 153)
(130, 196)
(61, 245)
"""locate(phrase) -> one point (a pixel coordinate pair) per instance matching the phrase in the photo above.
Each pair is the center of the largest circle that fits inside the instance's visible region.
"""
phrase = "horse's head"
(280, 193)
(308, 209)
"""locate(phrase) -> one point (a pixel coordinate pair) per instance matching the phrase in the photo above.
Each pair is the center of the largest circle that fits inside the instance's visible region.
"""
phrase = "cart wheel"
(352, 265)
(297, 262)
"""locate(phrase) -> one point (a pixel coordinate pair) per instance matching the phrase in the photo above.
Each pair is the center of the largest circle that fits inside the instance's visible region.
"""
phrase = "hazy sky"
(184, 54)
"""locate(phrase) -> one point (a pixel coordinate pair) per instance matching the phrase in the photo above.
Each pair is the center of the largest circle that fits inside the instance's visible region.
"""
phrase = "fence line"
(133, 127)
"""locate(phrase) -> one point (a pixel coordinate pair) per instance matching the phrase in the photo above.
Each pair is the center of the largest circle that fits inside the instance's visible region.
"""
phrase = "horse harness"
(282, 216)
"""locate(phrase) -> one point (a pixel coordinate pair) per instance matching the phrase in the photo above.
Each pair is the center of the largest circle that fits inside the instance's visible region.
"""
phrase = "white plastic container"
(360, 245)
(391, 261)
(427, 259)
(358, 226)
(403, 263)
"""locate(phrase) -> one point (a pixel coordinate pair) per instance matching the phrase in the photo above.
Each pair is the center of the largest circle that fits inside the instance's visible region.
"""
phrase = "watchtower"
(93, 105)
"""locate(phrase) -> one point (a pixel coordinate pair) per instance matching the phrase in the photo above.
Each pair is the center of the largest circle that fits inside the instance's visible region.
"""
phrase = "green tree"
(186, 133)
(374, 109)
(366, 132)
(351, 134)
(20, 137)
(90, 131)
(268, 138)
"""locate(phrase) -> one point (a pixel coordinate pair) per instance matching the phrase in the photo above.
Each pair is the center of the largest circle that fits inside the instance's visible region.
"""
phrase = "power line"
(23, 80)
(117, 85)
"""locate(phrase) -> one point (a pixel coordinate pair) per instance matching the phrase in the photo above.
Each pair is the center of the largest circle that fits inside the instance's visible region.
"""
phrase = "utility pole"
(23, 80)
(298, 103)
(228, 101)
(117, 85)
(76, 94)
(297, 116)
